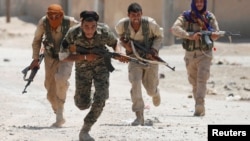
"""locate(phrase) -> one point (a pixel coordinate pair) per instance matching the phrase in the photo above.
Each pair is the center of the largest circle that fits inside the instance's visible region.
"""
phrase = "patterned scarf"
(57, 10)
(200, 17)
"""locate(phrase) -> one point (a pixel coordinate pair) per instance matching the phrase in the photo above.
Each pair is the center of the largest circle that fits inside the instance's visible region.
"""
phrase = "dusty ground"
(27, 117)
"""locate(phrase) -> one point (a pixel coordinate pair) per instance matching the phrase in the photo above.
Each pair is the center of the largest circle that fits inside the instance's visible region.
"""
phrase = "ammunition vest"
(49, 42)
(190, 45)
(147, 42)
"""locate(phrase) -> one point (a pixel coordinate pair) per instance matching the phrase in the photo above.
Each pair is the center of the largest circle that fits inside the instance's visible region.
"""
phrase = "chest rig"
(49, 42)
(191, 45)
(147, 41)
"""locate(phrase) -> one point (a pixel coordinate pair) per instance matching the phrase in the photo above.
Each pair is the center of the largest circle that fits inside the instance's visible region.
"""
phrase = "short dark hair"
(134, 7)
(89, 16)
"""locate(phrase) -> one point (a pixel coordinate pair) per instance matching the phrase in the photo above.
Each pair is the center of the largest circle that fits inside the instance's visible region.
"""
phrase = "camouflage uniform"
(87, 72)
(198, 56)
(57, 73)
(139, 74)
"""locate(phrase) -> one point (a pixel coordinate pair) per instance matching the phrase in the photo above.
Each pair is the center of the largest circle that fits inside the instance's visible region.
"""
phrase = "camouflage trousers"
(88, 73)
(57, 74)
(198, 70)
(142, 75)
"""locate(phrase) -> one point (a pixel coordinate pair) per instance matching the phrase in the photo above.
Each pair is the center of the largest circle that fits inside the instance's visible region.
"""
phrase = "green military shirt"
(75, 36)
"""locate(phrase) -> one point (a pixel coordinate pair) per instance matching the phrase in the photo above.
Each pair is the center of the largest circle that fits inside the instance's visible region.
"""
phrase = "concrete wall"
(232, 15)
(117, 9)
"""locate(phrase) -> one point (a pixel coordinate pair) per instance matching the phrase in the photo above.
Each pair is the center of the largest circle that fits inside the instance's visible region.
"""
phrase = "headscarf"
(200, 17)
(55, 9)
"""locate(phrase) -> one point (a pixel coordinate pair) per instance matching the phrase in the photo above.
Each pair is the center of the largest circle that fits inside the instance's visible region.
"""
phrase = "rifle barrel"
(24, 90)
(159, 60)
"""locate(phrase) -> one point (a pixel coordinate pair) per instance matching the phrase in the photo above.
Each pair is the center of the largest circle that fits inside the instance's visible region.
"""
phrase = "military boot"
(59, 118)
(139, 119)
(199, 107)
(84, 133)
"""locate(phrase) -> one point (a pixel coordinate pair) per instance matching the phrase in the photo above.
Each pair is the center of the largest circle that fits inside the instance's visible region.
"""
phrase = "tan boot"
(59, 118)
(139, 119)
(156, 100)
(199, 107)
(84, 134)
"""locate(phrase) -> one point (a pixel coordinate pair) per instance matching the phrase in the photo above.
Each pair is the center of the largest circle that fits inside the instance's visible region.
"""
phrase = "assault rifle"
(105, 54)
(157, 60)
(206, 35)
(32, 74)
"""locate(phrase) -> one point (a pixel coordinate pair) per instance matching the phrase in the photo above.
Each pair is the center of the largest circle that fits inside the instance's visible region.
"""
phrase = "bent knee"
(153, 92)
(82, 106)
(82, 103)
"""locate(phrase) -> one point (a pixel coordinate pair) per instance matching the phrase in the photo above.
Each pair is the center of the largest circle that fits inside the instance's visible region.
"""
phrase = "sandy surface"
(27, 117)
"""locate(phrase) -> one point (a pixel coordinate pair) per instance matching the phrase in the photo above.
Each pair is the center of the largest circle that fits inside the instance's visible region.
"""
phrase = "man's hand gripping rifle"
(105, 54)
(206, 35)
(131, 45)
(33, 72)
